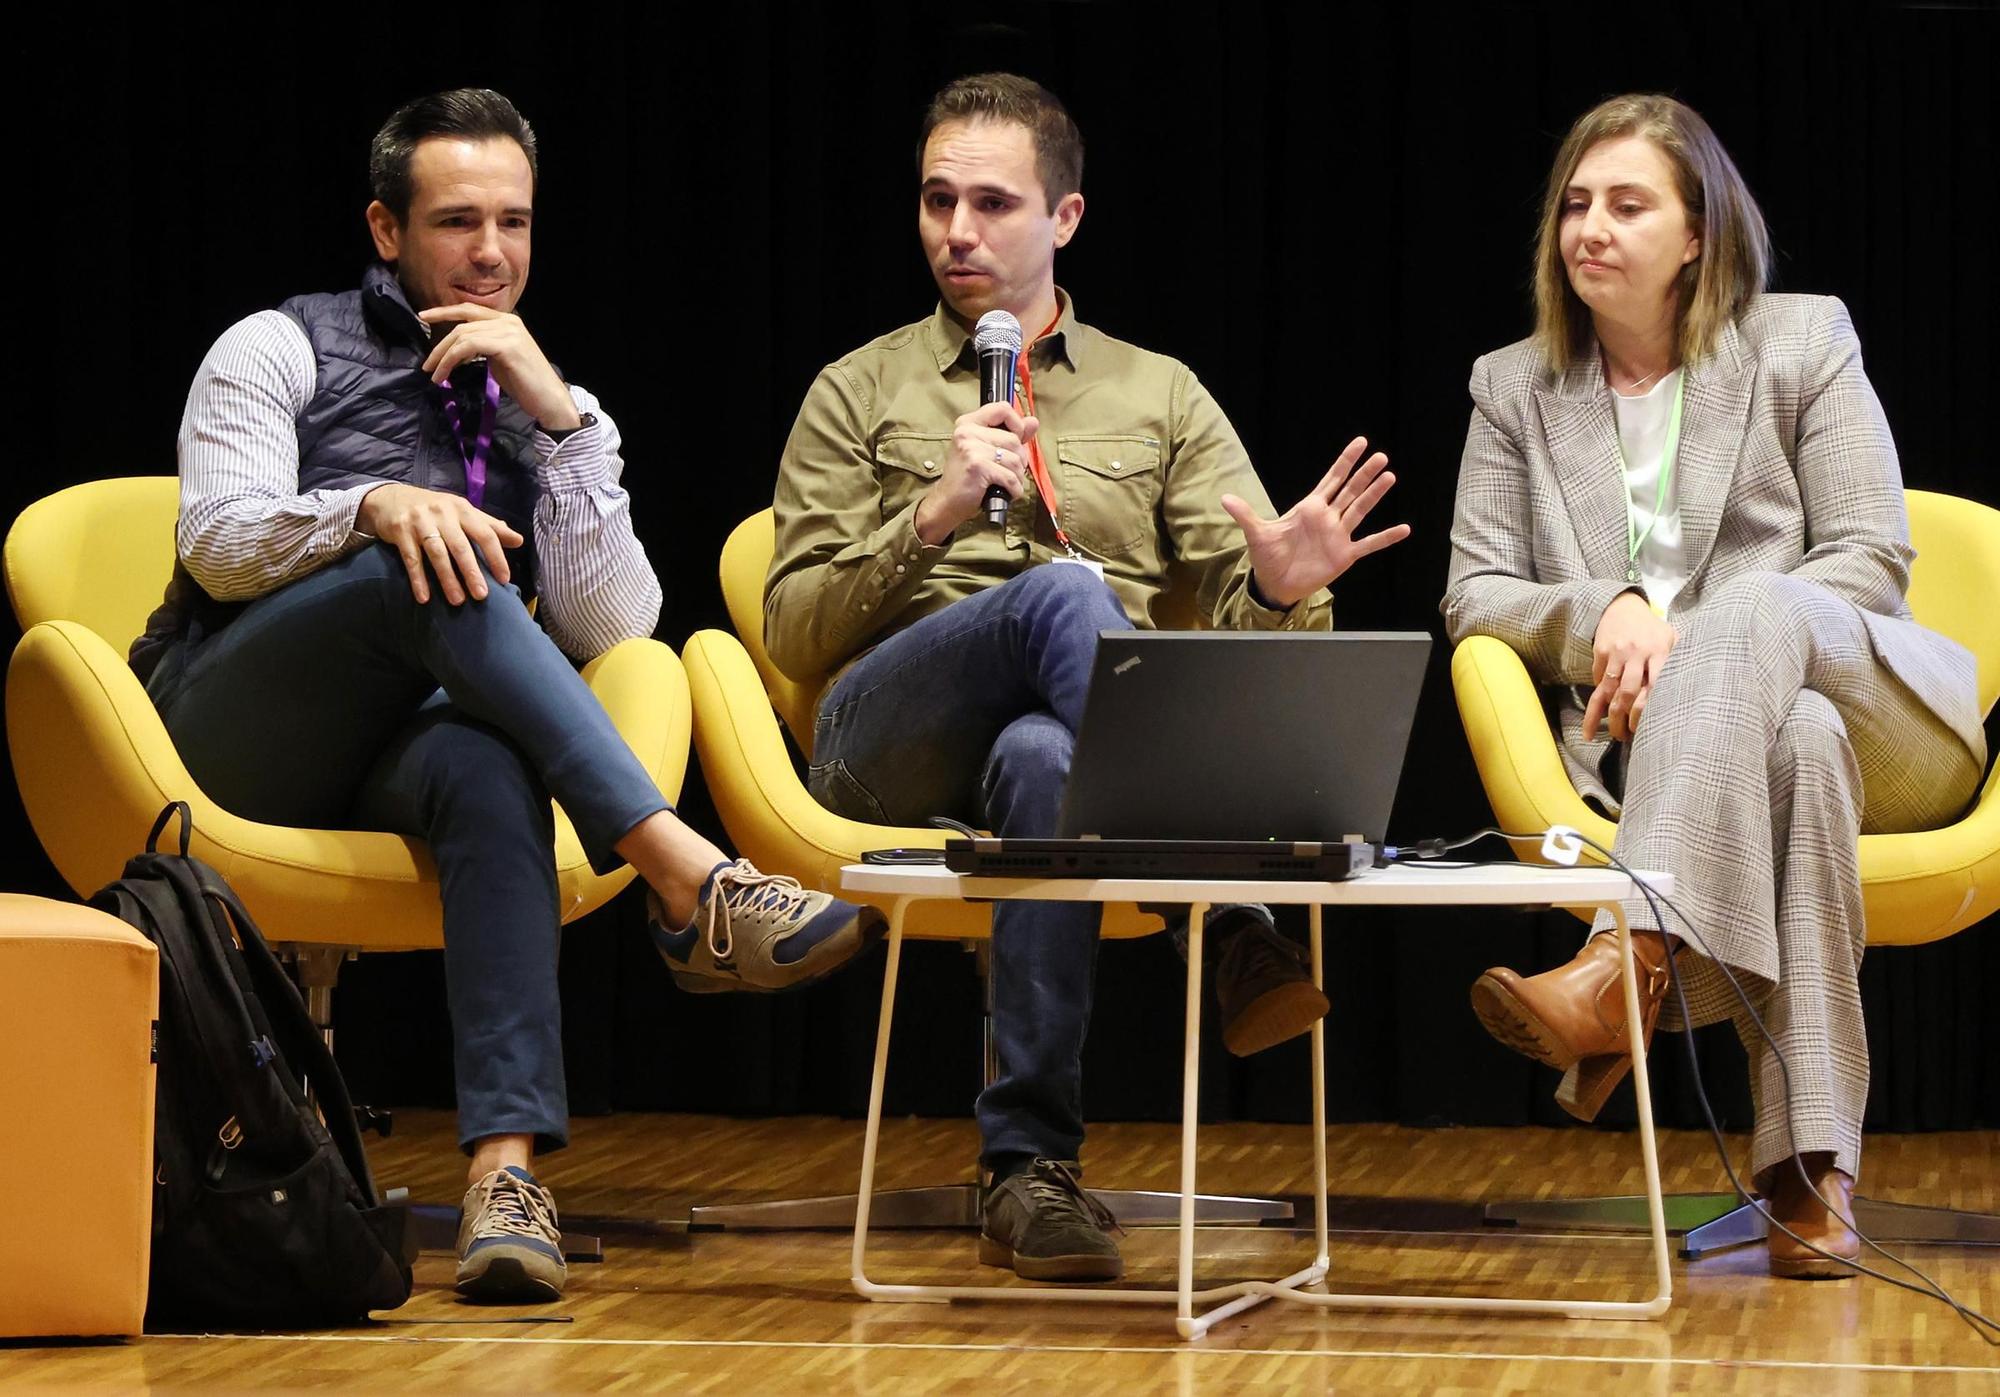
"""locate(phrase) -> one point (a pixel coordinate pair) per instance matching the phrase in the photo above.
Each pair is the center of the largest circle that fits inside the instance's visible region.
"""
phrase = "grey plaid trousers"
(1772, 741)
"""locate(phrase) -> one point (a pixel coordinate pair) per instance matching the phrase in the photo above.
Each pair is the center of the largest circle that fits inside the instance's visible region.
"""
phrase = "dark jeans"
(972, 712)
(339, 702)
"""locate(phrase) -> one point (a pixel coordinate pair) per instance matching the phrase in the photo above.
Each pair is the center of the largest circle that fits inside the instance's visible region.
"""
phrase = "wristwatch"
(556, 434)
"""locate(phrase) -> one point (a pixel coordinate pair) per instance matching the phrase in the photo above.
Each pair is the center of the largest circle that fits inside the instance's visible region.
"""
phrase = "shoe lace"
(1052, 1184)
(516, 1208)
(740, 890)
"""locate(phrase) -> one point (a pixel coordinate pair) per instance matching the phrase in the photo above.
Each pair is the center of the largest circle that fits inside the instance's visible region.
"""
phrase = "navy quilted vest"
(375, 416)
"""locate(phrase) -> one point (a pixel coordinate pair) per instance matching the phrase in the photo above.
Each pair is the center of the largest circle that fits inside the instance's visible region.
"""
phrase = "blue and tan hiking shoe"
(509, 1251)
(760, 931)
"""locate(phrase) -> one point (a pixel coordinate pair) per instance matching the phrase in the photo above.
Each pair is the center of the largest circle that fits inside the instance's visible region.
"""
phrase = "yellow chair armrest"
(1513, 747)
(1928, 884)
(771, 817)
(645, 690)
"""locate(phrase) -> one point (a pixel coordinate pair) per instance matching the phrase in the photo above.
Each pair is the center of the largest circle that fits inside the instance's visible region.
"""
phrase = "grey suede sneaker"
(1043, 1225)
(760, 931)
(509, 1250)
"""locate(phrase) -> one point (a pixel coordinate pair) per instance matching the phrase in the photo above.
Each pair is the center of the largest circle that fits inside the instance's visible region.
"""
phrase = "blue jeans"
(339, 702)
(972, 712)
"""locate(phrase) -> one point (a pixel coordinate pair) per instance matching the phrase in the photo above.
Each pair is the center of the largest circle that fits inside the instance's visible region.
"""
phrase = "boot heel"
(1589, 1084)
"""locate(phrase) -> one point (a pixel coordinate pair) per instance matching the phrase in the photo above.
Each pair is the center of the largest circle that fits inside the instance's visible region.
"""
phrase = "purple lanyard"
(475, 459)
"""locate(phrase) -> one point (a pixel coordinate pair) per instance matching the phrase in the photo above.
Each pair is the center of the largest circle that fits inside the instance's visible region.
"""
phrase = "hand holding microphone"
(996, 339)
(988, 461)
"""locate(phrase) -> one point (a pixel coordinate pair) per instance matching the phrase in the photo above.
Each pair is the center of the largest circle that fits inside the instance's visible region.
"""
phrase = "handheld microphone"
(996, 339)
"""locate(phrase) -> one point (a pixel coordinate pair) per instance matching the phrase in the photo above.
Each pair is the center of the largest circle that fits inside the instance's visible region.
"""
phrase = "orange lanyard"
(1037, 467)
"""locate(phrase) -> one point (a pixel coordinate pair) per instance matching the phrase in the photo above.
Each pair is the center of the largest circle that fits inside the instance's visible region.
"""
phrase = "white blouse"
(1642, 436)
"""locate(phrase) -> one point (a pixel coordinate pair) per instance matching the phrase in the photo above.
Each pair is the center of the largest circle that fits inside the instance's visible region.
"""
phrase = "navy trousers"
(972, 712)
(339, 702)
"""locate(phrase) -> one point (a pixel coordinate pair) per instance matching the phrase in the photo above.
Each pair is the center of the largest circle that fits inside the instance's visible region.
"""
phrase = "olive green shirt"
(1139, 454)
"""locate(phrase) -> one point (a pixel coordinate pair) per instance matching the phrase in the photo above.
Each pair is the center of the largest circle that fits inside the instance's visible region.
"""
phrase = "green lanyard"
(1635, 540)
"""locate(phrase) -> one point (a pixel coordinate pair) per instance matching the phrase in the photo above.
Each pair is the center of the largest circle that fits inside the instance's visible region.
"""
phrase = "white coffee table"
(1510, 885)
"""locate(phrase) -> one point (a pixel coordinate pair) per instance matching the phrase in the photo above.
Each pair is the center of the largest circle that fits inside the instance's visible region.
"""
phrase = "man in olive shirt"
(961, 651)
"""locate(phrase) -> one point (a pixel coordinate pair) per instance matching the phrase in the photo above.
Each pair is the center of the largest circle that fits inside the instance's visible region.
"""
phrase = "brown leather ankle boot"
(1816, 1216)
(1573, 1017)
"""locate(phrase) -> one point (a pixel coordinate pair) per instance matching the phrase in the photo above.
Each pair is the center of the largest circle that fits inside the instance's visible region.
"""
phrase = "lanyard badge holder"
(474, 455)
(1635, 538)
(1038, 466)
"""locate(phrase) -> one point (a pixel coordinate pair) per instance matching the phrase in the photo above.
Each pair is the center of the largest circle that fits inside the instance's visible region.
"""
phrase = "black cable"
(1931, 1289)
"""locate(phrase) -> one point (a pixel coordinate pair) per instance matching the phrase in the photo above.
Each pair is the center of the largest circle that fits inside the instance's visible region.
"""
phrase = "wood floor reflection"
(739, 1313)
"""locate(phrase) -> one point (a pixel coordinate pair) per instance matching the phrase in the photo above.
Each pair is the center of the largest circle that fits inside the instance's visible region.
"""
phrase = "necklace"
(1636, 384)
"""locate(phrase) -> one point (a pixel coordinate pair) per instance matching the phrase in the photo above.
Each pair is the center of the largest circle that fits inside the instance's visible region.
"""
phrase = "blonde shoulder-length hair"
(1713, 289)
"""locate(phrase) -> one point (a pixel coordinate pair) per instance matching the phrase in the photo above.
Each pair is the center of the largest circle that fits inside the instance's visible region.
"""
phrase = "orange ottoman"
(79, 991)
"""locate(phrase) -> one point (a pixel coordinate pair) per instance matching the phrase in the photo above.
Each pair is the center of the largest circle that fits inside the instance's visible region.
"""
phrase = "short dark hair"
(478, 113)
(1024, 102)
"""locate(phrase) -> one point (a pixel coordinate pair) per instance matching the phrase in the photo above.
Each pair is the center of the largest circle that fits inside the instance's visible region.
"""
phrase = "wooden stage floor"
(748, 1313)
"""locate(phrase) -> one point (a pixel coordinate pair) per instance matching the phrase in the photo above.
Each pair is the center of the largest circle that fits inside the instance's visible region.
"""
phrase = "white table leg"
(1319, 1101)
(1648, 1147)
(1573, 1309)
(1190, 1093)
(865, 1195)
(1092, 1295)
(1257, 1292)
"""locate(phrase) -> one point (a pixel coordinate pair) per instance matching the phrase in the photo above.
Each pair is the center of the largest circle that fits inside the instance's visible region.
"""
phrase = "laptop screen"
(1244, 734)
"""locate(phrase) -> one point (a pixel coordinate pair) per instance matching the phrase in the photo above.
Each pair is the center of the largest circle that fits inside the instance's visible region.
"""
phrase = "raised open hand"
(1313, 542)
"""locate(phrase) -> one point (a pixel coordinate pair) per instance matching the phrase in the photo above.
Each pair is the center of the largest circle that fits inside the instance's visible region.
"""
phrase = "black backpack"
(263, 1213)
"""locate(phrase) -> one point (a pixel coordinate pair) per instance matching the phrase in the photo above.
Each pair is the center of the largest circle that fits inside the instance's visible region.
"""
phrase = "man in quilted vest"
(374, 485)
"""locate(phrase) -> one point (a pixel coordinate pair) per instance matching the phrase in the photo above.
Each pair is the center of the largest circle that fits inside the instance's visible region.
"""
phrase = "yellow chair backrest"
(746, 558)
(1955, 583)
(98, 554)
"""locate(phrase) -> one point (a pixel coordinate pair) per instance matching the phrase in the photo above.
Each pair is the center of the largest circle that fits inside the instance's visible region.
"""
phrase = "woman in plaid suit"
(1680, 503)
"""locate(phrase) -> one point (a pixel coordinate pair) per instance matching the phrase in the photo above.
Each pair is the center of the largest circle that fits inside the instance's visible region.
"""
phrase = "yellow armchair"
(1915, 887)
(84, 568)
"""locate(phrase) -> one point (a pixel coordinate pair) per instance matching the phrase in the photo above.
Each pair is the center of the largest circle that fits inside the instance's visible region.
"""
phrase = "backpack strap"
(292, 1029)
(209, 990)
(172, 808)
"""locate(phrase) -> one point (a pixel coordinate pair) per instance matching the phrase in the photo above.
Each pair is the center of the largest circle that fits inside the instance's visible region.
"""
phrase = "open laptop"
(1227, 754)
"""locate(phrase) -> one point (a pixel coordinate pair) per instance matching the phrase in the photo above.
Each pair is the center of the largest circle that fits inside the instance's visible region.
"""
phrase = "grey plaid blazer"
(1786, 465)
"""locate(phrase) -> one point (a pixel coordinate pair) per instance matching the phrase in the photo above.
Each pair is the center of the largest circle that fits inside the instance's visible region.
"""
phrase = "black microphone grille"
(996, 330)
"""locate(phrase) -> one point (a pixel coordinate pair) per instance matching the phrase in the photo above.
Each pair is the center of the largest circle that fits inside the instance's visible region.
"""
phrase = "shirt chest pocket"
(1109, 489)
(906, 466)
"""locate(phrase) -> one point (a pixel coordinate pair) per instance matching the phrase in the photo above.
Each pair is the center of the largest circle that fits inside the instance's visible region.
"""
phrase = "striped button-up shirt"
(245, 529)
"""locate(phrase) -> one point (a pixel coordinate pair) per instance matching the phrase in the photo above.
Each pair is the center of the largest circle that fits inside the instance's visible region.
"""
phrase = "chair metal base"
(958, 1205)
(1712, 1222)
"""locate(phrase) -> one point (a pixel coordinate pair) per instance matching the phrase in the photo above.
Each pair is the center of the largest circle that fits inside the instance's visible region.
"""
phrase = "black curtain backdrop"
(1326, 211)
